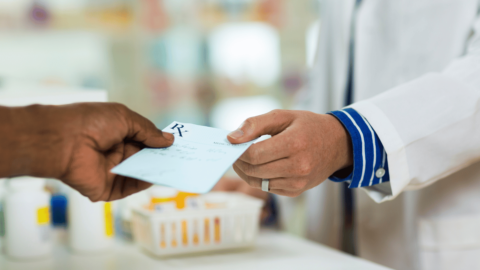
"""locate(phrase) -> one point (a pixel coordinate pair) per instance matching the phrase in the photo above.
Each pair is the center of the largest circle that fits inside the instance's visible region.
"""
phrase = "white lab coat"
(417, 81)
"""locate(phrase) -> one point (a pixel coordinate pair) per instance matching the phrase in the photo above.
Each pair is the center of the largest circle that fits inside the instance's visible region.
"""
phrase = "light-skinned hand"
(305, 149)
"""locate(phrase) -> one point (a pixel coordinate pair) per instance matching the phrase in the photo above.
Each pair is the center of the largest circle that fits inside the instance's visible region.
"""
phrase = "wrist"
(31, 143)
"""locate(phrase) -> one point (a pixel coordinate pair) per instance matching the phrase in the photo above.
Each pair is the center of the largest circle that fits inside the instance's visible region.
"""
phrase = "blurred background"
(207, 62)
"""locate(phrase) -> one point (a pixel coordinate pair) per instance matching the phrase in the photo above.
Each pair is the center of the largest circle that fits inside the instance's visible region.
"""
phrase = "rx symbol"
(179, 128)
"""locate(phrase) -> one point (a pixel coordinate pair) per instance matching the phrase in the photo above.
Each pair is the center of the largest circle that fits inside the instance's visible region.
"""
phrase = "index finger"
(271, 123)
(275, 148)
(142, 130)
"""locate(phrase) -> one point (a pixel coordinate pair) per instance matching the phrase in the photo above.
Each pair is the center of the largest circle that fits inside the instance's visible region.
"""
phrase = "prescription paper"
(194, 163)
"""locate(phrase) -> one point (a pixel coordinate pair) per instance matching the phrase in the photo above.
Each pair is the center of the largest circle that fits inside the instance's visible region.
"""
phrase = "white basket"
(233, 226)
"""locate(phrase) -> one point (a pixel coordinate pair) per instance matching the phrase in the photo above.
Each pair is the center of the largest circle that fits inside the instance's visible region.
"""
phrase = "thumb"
(270, 123)
(142, 130)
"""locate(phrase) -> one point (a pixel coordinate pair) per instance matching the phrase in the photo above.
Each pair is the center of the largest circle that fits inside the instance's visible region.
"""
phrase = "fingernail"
(236, 134)
(168, 136)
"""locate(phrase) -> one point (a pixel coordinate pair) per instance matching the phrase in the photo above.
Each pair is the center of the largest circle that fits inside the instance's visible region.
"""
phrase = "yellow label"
(196, 240)
(216, 228)
(163, 244)
(43, 215)
(108, 219)
(184, 233)
(207, 231)
(174, 235)
(182, 198)
(160, 200)
(156, 201)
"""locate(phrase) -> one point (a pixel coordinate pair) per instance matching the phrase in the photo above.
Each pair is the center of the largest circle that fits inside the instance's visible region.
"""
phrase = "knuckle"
(249, 123)
(281, 114)
(119, 106)
(293, 194)
(298, 185)
(94, 194)
(237, 164)
(253, 155)
(277, 111)
(94, 199)
(250, 170)
(278, 114)
(304, 168)
(243, 177)
(250, 182)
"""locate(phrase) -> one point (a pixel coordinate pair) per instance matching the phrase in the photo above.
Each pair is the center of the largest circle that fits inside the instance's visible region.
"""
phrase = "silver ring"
(266, 185)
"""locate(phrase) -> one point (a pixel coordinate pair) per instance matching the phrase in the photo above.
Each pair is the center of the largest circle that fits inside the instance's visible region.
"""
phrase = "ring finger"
(276, 169)
(287, 184)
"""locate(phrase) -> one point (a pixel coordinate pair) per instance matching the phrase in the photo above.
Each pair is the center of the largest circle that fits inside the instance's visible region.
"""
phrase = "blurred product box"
(211, 222)
(49, 95)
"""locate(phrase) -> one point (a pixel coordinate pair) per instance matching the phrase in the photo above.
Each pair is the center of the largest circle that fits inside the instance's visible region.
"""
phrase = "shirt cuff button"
(380, 173)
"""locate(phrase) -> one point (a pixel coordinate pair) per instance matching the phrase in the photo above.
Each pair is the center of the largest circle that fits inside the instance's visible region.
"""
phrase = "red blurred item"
(154, 16)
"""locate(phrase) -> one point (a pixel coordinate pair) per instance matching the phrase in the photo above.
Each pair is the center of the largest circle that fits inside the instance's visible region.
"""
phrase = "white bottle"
(90, 225)
(27, 219)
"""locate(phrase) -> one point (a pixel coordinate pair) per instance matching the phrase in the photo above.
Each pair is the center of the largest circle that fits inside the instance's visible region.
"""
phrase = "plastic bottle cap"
(162, 192)
(26, 182)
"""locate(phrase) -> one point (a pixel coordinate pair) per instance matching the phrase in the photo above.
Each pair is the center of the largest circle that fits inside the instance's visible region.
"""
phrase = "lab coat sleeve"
(430, 127)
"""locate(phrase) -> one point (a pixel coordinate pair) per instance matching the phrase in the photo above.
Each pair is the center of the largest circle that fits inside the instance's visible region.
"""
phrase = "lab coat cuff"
(393, 145)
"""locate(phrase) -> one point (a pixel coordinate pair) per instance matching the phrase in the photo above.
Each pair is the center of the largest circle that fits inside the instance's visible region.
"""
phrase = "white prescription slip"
(194, 163)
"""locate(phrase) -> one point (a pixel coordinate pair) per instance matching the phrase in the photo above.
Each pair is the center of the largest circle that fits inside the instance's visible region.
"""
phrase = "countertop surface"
(274, 250)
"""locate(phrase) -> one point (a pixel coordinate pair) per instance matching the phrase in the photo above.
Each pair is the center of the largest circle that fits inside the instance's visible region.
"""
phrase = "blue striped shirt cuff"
(370, 165)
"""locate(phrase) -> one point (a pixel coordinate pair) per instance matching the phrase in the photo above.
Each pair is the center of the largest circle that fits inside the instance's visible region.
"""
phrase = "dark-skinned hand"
(78, 144)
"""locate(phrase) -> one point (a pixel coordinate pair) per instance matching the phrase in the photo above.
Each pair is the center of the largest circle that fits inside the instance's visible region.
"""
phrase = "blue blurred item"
(59, 210)
(178, 52)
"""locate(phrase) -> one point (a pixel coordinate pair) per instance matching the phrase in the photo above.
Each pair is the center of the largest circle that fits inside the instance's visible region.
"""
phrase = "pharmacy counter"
(273, 251)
